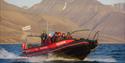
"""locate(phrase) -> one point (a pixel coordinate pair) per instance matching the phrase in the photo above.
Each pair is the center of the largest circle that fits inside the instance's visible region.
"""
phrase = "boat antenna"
(47, 27)
(89, 34)
(96, 35)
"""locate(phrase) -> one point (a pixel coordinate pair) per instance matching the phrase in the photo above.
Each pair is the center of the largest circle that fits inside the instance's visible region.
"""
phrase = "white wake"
(4, 54)
(101, 59)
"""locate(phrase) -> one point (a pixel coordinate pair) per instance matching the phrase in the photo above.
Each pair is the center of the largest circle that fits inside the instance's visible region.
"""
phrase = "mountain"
(63, 15)
(12, 19)
(89, 14)
(71, 9)
(120, 6)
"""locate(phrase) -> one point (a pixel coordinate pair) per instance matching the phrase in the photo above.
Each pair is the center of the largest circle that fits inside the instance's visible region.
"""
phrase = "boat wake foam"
(101, 59)
(4, 54)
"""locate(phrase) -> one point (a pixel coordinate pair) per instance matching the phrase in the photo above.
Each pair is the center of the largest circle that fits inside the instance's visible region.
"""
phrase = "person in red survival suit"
(49, 39)
(59, 36)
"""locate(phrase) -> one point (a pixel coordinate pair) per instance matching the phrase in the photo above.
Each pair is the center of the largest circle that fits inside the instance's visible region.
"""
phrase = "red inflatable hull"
(43, 48)
(70, 48)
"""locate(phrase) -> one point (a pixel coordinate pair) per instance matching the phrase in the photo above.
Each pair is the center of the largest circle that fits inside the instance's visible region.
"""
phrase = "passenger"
(63, 36)
(43, 38)
(54, 37)
(59, 36)
(49, 39)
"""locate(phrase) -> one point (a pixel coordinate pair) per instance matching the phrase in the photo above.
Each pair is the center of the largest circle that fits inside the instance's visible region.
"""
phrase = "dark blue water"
(104, 53)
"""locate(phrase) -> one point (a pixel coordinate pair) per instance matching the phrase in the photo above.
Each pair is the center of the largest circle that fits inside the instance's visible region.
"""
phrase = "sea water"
(104, 53)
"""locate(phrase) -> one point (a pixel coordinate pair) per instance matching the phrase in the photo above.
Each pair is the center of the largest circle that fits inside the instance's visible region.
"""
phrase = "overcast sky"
(30, 3)
(21, 3)
(111, 2)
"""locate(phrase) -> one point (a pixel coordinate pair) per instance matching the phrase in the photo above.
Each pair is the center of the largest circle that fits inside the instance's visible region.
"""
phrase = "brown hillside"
(12, 19)
(87, 14)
